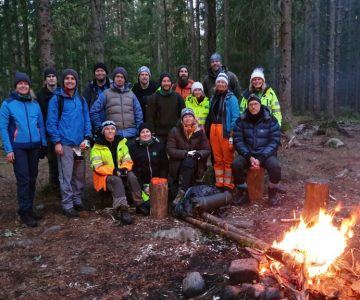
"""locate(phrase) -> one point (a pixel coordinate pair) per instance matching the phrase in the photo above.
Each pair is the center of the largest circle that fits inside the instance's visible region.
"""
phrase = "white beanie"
(197, 85)
(222, 76)
(257, 73)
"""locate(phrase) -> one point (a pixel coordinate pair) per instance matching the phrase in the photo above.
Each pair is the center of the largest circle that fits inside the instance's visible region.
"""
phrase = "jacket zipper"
(147, 150)
(27, 119)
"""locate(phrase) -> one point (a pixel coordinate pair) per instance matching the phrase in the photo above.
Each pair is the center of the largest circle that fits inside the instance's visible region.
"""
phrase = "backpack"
(60, 100)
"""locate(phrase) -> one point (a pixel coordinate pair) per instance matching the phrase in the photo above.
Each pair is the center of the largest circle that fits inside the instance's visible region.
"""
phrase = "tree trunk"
(211, 28)
(338, 57)
(97, 8)
(198, 42)
(316, 65)
(167, 63)
(331, 64)
(306, 67)
(24, 13)
(285, 66)
(45, 34)
(193, 31)
(226, 32)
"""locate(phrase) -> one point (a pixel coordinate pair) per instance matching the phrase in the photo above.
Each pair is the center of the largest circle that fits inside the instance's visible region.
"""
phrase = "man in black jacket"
(43, 97)
(256, 139)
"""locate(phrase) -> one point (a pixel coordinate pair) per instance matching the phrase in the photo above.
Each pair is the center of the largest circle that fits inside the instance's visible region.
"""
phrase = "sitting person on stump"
(188, 150)
(111, 163)
(150, 159)
(256, 139)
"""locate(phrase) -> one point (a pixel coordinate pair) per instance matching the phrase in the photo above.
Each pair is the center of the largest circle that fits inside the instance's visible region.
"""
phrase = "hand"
(196, 156)
(123, 172)
(190, 153)
(255, 163)
(59, 149)
(10, 157)
(43, 152)
(85, 144)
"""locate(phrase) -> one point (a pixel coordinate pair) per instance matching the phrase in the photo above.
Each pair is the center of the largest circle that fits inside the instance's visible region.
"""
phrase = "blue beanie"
(72, 72)
(19, 76)
(215, 57)
(120, 70)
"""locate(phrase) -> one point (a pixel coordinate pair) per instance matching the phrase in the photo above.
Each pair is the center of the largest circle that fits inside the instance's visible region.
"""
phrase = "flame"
(317, 246)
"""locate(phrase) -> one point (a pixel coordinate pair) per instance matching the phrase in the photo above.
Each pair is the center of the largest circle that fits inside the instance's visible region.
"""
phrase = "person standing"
(184, 83)
(43, 97)
(164, 108)
(224, 110)
(264, 91)
(144, 88)
(68, 124)
(23, 135)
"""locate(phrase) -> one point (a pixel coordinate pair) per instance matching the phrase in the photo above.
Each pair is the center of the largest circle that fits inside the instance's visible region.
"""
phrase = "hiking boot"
(35, 215)
(28, 219)
(79, 207)
(273, 198)
(179, 197)
(71, 213)
(240, 195)
(126, 218)
(143, 210)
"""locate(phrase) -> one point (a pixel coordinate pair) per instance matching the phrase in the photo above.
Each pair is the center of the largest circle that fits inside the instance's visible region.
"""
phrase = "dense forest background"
(309, 49)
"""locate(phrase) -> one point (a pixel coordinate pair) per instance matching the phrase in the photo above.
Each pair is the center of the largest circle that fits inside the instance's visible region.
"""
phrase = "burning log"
(316, 197)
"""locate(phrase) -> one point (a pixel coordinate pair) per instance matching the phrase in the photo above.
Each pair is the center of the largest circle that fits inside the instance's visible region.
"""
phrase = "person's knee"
(189, 162)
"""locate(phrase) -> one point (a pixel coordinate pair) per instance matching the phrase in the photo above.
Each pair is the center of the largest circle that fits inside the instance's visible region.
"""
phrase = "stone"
(193, 285)
(52, 229)
(272, 294)
(334, 143)
(182, 234)
(87, 270)
(230, 292)
(244, 270)
(259, 290)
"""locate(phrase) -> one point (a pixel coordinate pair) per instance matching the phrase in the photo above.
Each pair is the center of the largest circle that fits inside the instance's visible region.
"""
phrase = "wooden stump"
(255, 183)
(158, 198)
(316, 197)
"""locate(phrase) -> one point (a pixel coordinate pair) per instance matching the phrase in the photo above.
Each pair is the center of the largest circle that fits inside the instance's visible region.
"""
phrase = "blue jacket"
(21, 123)
(74, 124)
(97, 114)
(230, 114)
(261, 139)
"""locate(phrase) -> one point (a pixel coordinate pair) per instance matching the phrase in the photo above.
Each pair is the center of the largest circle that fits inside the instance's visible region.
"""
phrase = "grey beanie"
(144, 69)
(72, 72)
(120, 70)
(215, 57)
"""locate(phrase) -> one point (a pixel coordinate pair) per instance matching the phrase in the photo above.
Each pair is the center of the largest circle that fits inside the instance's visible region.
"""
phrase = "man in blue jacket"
(256, 139)
(120, 105)
(68, 124)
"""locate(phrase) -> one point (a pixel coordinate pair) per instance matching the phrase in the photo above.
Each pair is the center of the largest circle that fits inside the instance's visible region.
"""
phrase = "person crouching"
(111, 163)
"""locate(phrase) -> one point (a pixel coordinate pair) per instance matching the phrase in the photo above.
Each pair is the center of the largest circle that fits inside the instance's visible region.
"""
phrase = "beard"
(183, 81)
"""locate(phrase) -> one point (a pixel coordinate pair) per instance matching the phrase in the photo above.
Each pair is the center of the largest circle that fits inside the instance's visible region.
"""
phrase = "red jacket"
(186, 91)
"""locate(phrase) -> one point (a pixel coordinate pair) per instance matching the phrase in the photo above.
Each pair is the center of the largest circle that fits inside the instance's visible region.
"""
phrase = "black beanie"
(100, 65)
(163, 75)
(49, 71)
(20, 76)
(183, 66)
(147, 126)
(70, 72)
(254, 97)
(120, 70)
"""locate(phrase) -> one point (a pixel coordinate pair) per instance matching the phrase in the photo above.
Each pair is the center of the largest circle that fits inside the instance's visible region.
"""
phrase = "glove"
(43, 152)
(190, 153)
(123, 172)
(196, 156)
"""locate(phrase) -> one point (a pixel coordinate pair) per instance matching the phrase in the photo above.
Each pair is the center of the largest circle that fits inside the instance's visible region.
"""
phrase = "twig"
(290, 220)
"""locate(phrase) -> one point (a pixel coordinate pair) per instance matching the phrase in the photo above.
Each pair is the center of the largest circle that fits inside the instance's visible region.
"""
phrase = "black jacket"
(43, 97)
(150, 160)
(141, 94)
(92, 91)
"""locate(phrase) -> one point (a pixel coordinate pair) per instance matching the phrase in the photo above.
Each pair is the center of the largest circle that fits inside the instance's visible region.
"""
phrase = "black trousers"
(187, 173)
(240, 165)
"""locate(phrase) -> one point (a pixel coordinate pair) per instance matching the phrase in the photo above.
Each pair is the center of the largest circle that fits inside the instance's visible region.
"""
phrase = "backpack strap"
(60, 100)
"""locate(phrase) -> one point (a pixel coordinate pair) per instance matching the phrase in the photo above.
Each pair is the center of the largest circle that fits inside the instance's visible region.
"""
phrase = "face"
(145, 134)
(188, 119)
(257, 82)
(70, 82)
(144, 78)
(51, 80)
(119, 79)
(215, 65)
(254, 107)
(109, 133)
(183, 73)
(166, 84)
(221, 86)
(197, 93)
(22, 88)
(100, 74)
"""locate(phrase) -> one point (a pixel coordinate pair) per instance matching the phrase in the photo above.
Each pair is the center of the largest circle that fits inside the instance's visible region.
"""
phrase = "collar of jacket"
(23, 98)
(266, 114)
(213, 75)
(163, 93)
(107, 83)
(123, 90)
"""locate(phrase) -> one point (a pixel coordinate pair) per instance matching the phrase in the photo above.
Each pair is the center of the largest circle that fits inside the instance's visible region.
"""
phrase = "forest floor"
(92, 257)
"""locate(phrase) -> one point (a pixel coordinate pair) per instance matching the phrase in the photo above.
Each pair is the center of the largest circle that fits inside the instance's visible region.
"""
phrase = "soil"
(93, 257)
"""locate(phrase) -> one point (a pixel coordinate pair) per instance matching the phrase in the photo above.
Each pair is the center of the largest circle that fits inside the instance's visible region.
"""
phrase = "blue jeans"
(26, 171)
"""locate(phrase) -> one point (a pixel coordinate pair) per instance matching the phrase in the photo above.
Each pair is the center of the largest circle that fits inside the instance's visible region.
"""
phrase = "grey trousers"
(71, 178)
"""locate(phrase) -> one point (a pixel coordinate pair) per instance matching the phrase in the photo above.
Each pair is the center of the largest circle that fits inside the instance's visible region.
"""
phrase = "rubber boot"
(126, 218)
(240, 195)
(273, 198)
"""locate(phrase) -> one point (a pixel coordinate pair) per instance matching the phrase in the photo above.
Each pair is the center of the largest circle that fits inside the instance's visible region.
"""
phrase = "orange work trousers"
(223, 157)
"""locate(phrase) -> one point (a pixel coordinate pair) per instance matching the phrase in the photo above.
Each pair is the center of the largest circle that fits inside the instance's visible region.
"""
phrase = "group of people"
(166, 129)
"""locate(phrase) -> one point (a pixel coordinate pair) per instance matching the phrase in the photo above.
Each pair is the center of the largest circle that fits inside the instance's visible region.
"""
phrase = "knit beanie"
(144, 69)
(106, 124)
(215, 57)
(222, 76)
(49, 71)
(257, 73)
(20, 76)
(100, 65)
(187, 111)
(254, 97)
(181, 67)
(163, 75)
(197, 85)
(72, 72)
(120, 70)
(147, 126)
